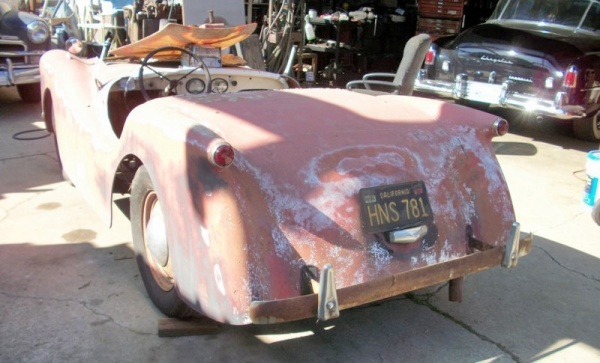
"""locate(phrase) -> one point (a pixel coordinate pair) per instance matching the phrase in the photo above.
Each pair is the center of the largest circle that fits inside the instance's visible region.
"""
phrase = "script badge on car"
(391, 207)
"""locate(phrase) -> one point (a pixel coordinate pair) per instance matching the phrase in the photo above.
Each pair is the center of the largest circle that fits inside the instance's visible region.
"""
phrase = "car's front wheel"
(30, 92)
(587, 128)
(151, 247)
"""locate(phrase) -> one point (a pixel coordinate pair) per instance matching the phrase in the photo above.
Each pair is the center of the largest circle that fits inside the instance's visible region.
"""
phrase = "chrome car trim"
(10, 71)
(460, 86)
(496, 60)
(328, 305)
(511, 254)
(20, 53)
(409, 235)
(8, 37)
(12, 76)
(520, 79)
(507, 98)
(561, 99)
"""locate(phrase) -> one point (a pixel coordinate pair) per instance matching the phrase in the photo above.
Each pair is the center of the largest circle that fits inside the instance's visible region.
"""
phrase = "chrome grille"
(13, 46)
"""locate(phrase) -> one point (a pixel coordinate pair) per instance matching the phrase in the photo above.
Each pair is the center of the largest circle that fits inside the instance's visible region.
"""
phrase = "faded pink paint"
(291, 197)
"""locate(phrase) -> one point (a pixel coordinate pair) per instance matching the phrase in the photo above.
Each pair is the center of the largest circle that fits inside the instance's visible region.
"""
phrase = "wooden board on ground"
(182, 328)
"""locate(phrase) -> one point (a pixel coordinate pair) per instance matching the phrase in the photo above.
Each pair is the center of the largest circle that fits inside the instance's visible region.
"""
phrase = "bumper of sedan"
(307, 306)
(500, 95)
(11, 75)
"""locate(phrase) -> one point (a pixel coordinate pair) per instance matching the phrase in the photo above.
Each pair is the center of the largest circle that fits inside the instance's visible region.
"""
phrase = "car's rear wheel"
(151, 247)
(30, 92)
(587, 128)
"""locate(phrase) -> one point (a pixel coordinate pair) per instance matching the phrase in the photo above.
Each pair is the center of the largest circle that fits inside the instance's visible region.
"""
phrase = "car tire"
(30, 92)
(596, 212)
(60, 165)
(157, 277)
(587, 128)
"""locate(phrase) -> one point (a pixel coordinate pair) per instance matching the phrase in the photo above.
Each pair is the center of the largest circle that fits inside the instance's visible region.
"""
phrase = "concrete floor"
(70, 289)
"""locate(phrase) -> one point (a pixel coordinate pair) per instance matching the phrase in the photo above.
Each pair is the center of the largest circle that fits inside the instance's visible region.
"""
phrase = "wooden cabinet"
(440, 17)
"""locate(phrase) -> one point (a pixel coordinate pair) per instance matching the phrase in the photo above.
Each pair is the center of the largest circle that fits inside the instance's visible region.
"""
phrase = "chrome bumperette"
(511, 255)
(11, 76)
(37, 53)
(328, 305)
(499, 95)
(21, 71)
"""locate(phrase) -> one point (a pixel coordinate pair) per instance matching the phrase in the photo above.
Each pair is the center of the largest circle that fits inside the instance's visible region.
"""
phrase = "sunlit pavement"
(70, 290)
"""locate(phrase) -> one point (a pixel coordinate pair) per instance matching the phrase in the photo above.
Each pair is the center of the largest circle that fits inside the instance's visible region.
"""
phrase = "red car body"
(239, 237)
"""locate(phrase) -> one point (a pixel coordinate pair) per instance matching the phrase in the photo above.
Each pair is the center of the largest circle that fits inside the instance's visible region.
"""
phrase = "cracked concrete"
(70, 289)
(424, 300)
(565, 267)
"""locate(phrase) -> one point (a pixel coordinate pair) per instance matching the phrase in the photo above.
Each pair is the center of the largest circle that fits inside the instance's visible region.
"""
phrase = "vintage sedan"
(537, 56)
(255, 201)
(24, 37)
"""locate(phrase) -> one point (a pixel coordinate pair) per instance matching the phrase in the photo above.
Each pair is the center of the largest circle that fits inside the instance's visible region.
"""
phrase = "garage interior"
(342, 40)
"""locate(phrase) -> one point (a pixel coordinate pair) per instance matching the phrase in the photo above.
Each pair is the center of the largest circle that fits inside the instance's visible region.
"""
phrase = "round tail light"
(500, 127)
(221, 154)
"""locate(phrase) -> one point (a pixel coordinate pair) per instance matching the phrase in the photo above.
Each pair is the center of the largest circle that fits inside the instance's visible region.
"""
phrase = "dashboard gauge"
(195, 86)
(219, 85)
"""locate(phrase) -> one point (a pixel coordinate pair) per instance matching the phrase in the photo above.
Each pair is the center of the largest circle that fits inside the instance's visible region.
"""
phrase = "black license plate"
(391, 207)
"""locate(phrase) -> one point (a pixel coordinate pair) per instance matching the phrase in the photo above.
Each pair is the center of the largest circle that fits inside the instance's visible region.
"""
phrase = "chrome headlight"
(38, 31)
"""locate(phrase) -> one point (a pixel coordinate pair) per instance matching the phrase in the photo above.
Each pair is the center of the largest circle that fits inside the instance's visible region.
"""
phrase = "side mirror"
(74, 46)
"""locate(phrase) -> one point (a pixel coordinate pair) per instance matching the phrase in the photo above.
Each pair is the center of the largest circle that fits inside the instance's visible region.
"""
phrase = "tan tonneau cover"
(176, 35)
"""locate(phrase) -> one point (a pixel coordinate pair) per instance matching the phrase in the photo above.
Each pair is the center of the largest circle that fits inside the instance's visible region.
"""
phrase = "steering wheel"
(171, 88)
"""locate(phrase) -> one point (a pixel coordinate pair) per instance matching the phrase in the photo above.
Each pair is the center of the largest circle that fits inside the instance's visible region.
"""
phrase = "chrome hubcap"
(155, 242)
(156, 236)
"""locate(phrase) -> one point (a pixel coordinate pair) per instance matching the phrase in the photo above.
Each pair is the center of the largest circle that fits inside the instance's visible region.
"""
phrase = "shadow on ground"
(96, 294)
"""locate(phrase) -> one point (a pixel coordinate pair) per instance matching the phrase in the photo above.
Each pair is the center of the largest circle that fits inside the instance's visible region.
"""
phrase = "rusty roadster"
(255, 201)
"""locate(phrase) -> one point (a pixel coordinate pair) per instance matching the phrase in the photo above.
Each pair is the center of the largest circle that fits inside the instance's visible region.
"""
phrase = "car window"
(569, 12)
(592, 19)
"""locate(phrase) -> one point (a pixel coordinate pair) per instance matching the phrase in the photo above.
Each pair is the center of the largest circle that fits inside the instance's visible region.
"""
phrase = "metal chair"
(404, 79)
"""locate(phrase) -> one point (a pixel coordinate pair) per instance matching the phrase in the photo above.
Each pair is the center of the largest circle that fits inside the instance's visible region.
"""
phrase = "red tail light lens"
(430, 57)
(570, 80)
(501, 127)
(221, 154)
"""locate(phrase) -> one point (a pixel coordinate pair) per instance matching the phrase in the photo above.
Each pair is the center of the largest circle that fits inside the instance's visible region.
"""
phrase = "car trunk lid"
(297, 180)
(525, 56)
